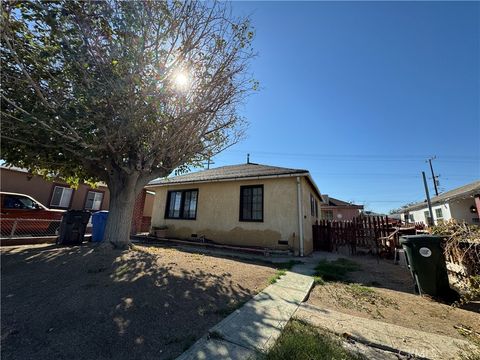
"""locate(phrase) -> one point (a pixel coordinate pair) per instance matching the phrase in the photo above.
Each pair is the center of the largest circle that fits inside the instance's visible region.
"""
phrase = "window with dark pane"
(251, 203)
(190, 204)
(182, 204)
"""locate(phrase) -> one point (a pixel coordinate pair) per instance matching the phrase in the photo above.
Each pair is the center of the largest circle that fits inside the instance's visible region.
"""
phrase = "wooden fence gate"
(373, 233)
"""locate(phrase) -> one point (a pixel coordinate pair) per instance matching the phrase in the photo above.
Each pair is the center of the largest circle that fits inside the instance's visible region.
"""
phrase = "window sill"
(170, 218)
(242, 220)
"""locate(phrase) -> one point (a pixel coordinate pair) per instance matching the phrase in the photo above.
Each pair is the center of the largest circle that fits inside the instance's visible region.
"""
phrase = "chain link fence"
(15, 228)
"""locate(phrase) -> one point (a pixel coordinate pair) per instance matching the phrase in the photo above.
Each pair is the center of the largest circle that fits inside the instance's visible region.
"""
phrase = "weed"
(300, 340)
(360, 290)
(282, 269)
(472, 336)
(273, 279)
(335, 270)
(287, 265)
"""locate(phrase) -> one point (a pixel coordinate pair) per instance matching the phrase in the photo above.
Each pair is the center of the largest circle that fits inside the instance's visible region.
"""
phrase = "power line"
(372, 157)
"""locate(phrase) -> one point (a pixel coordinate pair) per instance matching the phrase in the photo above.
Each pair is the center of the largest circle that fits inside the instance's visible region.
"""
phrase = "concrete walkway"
(254, 327)
(390, 337)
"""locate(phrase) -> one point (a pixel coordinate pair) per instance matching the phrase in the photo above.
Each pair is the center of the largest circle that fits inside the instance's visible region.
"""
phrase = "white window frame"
(64, 202)
(97, 194)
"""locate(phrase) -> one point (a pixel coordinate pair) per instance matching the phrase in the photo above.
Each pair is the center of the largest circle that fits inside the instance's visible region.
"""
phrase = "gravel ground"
(85, 303)
(383, 291)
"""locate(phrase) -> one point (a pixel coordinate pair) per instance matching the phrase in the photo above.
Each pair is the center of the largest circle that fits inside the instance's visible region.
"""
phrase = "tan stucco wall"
(308, 219)
(218, 213)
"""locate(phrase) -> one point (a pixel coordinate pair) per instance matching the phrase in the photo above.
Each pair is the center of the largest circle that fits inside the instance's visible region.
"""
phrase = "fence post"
(14, 227)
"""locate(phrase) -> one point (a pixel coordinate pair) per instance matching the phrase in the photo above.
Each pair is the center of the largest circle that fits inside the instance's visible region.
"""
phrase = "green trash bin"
(426, 262)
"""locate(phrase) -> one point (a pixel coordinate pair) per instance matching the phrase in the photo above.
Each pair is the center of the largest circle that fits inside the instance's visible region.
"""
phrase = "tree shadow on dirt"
(84, 303)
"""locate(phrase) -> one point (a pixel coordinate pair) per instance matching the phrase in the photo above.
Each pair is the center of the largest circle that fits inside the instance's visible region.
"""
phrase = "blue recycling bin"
(99, 220)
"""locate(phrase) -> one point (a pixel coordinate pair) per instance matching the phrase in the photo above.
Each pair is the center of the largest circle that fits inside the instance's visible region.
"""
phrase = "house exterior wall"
(218, 213)
(308, 218)
(460, 209)
(454, 209)
(341, 213)
(419, 215)
(41, 189)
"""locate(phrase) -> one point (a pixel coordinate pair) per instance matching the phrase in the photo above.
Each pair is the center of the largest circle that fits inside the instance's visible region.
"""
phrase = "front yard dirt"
(383, 291)
(81, 303)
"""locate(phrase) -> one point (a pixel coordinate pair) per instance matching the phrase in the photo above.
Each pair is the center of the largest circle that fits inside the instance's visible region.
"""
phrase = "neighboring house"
(461, 204)
(334, 209)
(54, 194)
(247, 205)
(59, 195)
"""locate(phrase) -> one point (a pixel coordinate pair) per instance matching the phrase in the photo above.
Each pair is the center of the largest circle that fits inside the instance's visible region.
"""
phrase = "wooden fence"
(376, 234)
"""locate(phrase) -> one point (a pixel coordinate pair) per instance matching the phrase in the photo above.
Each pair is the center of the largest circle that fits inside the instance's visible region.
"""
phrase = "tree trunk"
(122, 201)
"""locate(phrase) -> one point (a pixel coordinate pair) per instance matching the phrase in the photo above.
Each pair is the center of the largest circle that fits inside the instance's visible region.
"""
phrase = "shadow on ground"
(85, 303)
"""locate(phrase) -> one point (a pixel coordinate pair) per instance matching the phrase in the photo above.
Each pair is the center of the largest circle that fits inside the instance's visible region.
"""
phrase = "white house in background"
(462, 204)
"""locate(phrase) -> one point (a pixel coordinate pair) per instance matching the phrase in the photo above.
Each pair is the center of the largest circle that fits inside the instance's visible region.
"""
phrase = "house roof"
(464, 191)
(231, 172)
(234, 172)
(336, 202)
(13, 168)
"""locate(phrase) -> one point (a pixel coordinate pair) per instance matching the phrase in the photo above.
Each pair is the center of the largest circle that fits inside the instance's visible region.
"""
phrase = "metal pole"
(430, 220)
(433, 176)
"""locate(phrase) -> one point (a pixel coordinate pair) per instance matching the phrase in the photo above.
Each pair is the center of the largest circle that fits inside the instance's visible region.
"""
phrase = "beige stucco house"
(246, 205)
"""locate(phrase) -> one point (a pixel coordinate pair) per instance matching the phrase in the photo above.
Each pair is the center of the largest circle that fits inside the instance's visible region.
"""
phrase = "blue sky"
(362, 93)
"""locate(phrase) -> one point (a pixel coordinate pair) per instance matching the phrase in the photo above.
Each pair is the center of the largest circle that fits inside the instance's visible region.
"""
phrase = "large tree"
(120, 91)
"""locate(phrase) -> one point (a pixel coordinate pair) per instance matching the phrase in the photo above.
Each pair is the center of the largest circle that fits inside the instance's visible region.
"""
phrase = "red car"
(22, 214)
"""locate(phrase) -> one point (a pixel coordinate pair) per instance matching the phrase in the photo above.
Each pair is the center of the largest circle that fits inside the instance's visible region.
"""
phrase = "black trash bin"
(427, 265)
(73, 226)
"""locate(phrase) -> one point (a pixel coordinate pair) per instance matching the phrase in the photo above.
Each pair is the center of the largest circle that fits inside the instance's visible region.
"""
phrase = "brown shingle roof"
(231, 172)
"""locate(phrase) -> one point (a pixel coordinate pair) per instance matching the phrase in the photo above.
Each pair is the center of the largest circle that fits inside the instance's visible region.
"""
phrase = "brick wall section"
(137, 216)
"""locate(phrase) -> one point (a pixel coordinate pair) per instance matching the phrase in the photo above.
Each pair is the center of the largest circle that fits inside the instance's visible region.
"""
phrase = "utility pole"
(248, 158)
(430, 219)
(434, 178)
(209, 162)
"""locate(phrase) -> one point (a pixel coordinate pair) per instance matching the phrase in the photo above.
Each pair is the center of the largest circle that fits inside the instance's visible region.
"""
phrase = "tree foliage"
(120, 91)
(91, 87)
